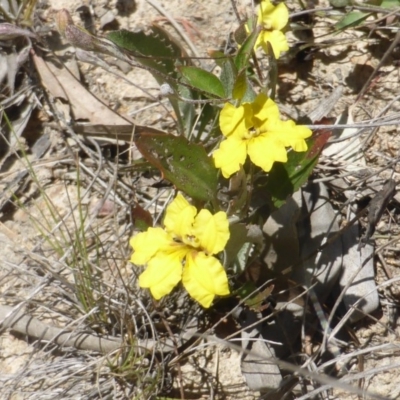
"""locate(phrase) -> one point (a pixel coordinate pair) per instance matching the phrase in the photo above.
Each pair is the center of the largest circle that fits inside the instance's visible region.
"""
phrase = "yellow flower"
(272, 20)
(184, 251)
(255, 129)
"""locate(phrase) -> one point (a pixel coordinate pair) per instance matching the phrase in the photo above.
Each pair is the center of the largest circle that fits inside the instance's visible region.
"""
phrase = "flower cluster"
(255, 129)
(272, 20)
(184, 251)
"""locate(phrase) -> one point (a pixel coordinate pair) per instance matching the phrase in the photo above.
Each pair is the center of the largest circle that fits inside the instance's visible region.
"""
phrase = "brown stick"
(18, 321)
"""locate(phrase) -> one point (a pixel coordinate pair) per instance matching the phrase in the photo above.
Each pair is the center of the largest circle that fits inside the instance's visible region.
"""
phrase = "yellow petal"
(288, 133)
(147, 244)
(266, 8)
(279, 17)
(293, 135)
(232, 121)
(179, 217)
(204, 278)
(162, 275)
(265, 149)
(276, 38)
(212, 230)
(273, 18)
(264, 108)
(230, 155)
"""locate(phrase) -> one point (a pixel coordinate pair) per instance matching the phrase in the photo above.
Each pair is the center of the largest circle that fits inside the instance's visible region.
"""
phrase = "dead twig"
(19, 321)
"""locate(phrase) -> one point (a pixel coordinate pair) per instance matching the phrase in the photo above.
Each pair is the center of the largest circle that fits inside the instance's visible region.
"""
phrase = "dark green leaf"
(203, 80)
(286, 178)
(184, 164)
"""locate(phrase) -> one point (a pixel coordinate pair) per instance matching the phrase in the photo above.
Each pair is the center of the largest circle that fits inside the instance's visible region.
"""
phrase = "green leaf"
(156, 50)
(273, 71)
(184, 164)
(245, 241)
(253, 297)
(240, 86)
(185, 110)
(246, 50)
(390, 4)
(339, 3)
(242, 258)
(235, 245)
(228, 76)
(207, 123)
(286, 178)
(250, 94)
(238, 193)
(203, 80)
(351, 19)
(219, 57)
(240, 34)
(159, 52)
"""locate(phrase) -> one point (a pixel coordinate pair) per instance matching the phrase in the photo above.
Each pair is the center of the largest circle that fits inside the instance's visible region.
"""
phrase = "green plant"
(251, 124)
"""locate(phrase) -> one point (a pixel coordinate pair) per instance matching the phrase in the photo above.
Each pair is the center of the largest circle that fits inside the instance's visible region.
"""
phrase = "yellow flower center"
(188, 240)
(251, 133)
(267, 25)
(191, 240)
